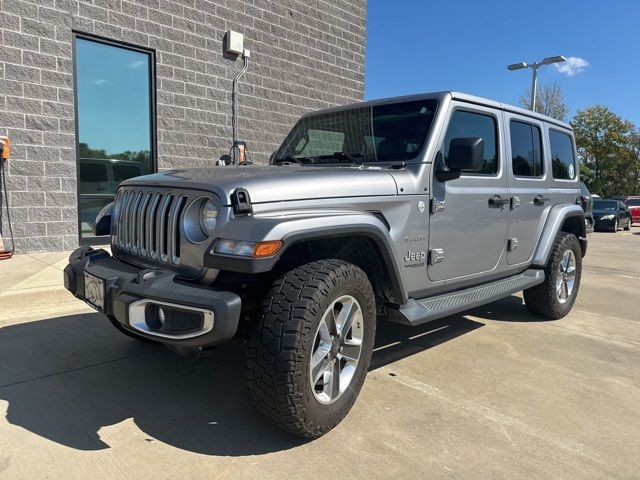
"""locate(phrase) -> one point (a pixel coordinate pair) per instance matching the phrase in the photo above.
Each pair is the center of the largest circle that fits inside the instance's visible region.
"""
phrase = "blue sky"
(422, 45)
(113, 97)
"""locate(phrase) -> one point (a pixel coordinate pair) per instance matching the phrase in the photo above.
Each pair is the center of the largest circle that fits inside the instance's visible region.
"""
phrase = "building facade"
(96, 91)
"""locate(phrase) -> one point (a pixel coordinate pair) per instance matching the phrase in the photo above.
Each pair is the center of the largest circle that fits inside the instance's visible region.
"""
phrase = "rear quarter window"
(563, 161)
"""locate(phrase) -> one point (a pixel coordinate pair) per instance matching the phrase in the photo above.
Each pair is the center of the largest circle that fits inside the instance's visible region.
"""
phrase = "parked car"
(586, 200)
(633, 203)
(99, 179)
(610, 214)
(407, 209)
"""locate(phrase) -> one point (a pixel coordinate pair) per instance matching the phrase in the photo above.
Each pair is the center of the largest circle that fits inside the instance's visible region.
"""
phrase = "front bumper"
(600, 224)
(126, 286)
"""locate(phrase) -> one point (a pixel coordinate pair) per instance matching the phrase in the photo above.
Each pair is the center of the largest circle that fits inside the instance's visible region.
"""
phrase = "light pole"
(535, 66)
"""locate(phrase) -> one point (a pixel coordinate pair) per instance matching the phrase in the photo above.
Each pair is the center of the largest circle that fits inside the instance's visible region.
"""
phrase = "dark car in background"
(586, 200)
(633, 204)
(609, 214)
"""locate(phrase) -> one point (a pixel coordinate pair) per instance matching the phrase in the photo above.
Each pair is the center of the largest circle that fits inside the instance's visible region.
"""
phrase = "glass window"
(380, 133)
(114, 121)
(562, 157)
(526, 149)
(467, 124)
(122, 172)
(93, 178)
(633, 202)
(321, 142)
(609, 205)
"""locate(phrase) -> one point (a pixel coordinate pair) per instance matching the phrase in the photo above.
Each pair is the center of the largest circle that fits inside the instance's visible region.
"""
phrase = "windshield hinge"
(436, 205)
(241, 202)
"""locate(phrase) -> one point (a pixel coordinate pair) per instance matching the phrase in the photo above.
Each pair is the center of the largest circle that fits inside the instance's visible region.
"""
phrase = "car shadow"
(73, 378)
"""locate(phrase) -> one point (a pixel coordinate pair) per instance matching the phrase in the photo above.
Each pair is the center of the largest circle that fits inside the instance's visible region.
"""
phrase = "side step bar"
(416, 312)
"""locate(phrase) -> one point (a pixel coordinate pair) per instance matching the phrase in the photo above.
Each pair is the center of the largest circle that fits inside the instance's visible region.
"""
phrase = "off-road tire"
(542, 299)
(278, 355)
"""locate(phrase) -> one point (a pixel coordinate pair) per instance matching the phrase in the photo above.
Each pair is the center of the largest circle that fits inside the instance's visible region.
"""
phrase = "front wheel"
(554, 297)
(615, 226)
(311, 352)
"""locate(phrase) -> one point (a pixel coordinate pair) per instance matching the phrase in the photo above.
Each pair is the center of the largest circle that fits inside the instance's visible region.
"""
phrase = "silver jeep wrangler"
(407, 209)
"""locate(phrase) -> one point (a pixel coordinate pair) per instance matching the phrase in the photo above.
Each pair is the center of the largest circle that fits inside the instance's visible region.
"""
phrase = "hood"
(270, 183)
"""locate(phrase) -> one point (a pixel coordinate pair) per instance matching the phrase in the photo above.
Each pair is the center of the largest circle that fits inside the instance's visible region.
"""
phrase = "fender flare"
(555, 219)
(297, 227)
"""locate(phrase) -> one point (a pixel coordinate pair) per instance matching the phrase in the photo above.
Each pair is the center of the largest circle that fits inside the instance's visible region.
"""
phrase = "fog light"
(162, 317)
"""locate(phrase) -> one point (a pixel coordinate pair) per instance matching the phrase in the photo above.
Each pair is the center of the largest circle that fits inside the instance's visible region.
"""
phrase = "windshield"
(633, 202)
(609, 205)
(382, 133)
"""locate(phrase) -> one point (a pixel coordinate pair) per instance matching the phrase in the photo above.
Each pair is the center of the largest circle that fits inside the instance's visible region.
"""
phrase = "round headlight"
(208, 218)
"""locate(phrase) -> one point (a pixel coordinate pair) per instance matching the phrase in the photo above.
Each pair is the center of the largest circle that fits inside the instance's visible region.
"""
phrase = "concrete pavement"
(495, 393)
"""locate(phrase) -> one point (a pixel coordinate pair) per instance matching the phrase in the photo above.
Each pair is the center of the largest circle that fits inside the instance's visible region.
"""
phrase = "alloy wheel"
(336, 349)
(566, 276)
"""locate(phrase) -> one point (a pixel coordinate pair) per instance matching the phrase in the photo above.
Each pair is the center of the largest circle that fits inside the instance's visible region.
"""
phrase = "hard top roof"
(464, 97)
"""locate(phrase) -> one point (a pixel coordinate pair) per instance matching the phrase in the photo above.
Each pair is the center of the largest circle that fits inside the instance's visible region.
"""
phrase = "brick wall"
(305, 54)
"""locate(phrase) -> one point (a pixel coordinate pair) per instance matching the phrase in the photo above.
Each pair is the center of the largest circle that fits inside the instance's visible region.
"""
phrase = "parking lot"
(495, 393)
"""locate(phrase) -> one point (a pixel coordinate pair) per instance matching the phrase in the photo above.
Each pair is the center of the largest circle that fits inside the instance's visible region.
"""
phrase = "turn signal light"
(264, 249)
(247, 249)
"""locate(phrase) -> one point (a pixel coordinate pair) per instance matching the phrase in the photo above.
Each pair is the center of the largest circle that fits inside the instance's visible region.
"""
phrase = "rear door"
(527, 180)
(470, 225)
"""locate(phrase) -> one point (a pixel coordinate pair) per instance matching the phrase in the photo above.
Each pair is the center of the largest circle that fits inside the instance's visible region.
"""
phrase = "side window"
(563, 162)
(526, 149)
(467, 124)
(123, 172)
(93, 178)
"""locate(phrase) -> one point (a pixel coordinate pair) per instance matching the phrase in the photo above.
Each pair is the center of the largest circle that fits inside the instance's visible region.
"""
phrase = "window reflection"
(114, 107)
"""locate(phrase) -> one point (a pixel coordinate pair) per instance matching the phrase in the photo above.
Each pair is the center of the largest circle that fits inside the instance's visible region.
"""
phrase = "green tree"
(605, 145)
(549, 101)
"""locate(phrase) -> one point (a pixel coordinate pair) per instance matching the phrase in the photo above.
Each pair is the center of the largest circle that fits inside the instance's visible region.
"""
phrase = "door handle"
(498, 201)
(540, 200)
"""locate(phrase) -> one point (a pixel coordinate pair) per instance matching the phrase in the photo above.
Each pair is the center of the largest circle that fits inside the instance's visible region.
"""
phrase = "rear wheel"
(628, 225)
(554, 297)
(310, 355)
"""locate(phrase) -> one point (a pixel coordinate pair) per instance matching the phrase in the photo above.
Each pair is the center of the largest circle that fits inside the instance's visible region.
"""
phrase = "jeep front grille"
(148, 224)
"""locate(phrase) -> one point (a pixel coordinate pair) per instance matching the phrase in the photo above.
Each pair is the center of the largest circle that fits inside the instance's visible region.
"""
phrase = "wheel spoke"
(345, 318)
(319, 363)
(323, 330)
(330, 321)
(565, 290)
(351, 352)
(332, 379)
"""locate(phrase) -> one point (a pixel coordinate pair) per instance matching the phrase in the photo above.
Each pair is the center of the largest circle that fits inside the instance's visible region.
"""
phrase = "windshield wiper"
(354, 158)
(289, 159)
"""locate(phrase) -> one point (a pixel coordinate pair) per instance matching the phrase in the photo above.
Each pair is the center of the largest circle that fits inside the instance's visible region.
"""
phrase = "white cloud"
(99, 81)
(136, 63)
(572, 66)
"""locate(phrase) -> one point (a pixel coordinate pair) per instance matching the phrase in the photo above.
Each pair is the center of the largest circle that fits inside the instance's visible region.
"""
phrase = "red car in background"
(634, 207)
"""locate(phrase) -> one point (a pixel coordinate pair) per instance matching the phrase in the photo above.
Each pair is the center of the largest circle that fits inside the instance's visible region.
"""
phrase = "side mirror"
(466, 154)
(102, 225)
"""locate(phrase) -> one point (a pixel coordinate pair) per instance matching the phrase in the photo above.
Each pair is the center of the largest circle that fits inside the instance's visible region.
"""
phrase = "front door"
(527, 185)
(468, 227)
